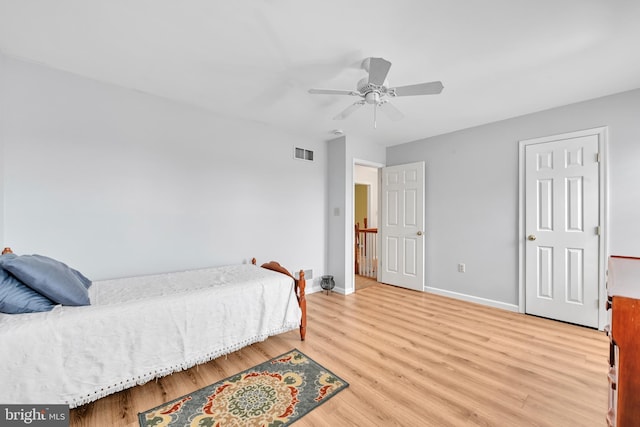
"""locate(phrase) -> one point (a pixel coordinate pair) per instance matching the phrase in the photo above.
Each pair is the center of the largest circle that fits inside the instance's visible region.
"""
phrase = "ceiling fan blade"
(378, 70)
(349, 110)
(431, 88)
(334, 92)
(390, 110)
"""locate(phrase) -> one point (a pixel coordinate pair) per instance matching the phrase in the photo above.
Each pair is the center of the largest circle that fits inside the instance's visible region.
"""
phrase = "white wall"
(472, 192)
(344, 152)
(336, 211)
(3, 115)
(116, 182)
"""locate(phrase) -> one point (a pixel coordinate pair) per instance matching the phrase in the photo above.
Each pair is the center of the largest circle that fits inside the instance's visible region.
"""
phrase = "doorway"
(562, 225)
(392, 252)
(365, 225)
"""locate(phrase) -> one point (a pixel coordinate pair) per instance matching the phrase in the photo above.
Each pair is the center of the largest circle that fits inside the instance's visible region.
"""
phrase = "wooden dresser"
(623, 303)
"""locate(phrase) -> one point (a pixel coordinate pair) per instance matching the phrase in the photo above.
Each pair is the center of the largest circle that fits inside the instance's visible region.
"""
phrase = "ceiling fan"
(375, 90)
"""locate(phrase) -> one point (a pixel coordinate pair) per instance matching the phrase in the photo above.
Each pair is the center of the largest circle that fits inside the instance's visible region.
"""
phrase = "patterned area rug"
(274, 393)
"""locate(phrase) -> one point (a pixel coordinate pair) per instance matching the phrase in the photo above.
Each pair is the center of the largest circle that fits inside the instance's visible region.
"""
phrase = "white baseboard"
(317, 288)
(474, 299)
(470, 298)
(338, 290)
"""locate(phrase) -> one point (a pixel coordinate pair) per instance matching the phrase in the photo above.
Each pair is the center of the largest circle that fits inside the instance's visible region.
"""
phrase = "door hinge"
(598, 230)
(597, 157)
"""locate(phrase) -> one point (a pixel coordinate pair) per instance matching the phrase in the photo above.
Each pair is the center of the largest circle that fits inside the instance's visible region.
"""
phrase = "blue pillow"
(17, 298)
(51, 278)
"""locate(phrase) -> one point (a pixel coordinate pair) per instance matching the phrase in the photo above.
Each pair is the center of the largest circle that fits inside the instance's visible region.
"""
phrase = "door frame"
(352, 223)
(603, 199)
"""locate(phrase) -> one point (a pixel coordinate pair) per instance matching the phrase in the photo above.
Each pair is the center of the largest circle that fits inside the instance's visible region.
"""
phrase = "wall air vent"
(302, 154)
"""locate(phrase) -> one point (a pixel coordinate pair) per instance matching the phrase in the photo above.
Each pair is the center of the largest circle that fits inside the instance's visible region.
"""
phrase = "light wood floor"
(363, 282)
(415, 359)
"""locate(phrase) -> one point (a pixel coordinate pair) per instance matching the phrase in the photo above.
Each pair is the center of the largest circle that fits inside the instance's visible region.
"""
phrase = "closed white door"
(562, 229)
(402, 226)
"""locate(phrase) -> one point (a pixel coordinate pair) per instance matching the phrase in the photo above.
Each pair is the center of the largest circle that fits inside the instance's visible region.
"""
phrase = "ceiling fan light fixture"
(372, 97)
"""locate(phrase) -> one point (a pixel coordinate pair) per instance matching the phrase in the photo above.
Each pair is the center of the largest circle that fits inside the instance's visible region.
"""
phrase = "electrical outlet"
(462, 268)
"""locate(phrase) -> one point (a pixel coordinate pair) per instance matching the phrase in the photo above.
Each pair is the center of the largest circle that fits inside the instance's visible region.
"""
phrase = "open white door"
(562, 228)
(402, 225)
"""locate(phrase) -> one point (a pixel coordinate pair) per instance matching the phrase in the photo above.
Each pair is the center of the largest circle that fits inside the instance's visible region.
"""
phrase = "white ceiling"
(256, 59)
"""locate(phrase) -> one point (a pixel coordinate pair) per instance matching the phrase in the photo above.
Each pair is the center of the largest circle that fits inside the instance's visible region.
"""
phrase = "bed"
(140, 328)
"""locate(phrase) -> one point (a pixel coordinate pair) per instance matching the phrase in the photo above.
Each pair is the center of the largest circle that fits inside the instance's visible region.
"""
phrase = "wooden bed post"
(300, 285)
(302, 301)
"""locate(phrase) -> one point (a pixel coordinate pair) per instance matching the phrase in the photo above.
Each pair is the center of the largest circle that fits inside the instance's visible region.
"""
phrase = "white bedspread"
(140, 328)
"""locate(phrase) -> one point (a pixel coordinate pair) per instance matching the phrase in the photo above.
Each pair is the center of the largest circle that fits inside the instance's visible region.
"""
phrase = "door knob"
(419, 233)
(531, 237)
